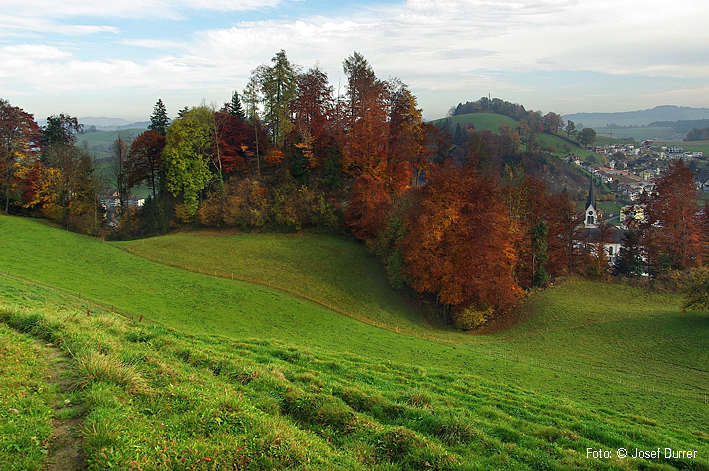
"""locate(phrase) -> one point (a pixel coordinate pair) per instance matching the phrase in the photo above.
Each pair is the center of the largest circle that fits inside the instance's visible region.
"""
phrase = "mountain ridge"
(639, 117)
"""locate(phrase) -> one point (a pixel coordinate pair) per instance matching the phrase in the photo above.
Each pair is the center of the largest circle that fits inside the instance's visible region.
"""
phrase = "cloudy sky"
(116, 58)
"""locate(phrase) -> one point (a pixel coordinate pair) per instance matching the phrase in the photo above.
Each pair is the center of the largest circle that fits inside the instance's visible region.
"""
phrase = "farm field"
(689, 146)
(624, 362)
(638, 134)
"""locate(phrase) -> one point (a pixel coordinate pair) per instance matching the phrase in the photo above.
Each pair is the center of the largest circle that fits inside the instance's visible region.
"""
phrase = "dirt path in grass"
(65, 442)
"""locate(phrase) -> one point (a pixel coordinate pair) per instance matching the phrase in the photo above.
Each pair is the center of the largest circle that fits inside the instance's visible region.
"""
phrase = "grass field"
(481, 121)
(335, 272)
(614, 354)
(689, 146)
(107, 138)
(157, 398)
(639, 133)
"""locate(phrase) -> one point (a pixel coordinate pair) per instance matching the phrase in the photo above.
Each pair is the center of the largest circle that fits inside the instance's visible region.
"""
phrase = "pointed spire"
(591, 201)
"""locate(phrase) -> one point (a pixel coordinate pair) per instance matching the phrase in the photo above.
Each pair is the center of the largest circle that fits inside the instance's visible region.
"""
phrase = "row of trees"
(44, 172)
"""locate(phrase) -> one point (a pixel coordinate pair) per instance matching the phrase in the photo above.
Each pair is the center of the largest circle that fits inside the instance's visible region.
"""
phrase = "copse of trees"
(698, 134)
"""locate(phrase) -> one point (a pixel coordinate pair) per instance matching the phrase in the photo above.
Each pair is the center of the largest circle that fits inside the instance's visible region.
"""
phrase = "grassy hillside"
(237, 373)
(481, 121)
(161, 399)
(491, 122)
(566, 359)
(334, 272)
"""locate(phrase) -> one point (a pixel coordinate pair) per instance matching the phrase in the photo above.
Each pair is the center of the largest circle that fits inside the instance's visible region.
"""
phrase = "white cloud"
(442, 48)
(19, 26)
(32, 52)
(128, 8)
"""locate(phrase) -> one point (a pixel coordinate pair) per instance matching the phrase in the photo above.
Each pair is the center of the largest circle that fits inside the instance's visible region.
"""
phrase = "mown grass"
(481, 121)
(537, 360)
(206, 402)
(25, 398)
(337, 272)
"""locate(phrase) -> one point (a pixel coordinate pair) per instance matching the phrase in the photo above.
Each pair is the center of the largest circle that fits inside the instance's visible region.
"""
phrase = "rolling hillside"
(237, 373)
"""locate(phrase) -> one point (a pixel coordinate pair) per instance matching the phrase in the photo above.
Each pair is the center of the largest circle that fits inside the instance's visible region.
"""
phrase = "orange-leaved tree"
(672, 228)
(459, 247)
(369, 207)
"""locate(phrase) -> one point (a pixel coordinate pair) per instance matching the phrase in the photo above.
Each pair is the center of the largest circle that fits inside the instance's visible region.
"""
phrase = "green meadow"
(209, 350)
(638, 134)
(491, 122)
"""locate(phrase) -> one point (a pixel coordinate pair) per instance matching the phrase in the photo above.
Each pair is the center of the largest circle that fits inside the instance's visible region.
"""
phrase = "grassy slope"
(159, 399)
(491, 122)
(207, 304)
(25, 399)
(107, 137)
(334, 271)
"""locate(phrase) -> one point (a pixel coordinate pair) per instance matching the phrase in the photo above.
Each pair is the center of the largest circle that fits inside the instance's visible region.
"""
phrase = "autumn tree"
(119, 166)
(458, 246)
(563, 221)
(313, 111)
(234, 143)
(252, 100)
(159, 120)
(552, 122)
(408, 148)
(144, 157)
(368, 209)
(570, 129)
(20, 143)
(366, 119)
(673, 220)
(187, 156)
(62, 130)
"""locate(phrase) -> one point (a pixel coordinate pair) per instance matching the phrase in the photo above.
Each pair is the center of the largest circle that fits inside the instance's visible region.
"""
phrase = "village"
(629, 170)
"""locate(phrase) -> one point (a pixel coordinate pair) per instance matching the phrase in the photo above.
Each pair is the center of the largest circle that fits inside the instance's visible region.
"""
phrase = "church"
(590, 233)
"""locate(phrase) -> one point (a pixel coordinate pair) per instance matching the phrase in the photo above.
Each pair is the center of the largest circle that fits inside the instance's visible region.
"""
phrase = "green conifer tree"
(159, 120)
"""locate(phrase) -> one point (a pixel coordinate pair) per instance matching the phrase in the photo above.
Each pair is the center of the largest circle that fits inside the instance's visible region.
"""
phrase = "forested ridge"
(454, 215)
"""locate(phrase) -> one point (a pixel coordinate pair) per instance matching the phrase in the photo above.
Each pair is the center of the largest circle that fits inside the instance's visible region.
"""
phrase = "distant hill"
(640, 117)
(106, 124)
(557, 174)
(111, 124)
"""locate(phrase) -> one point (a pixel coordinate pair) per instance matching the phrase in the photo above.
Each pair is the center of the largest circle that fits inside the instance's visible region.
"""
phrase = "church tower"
(591, 214)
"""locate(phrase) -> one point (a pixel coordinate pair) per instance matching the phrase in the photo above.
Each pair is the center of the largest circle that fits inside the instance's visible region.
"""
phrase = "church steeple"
(591, 214)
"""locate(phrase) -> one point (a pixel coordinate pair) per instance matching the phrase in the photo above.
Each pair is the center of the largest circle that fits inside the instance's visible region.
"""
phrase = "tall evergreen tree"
(630, 261)
(234, 106)
(159, 120)
(278, 88)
